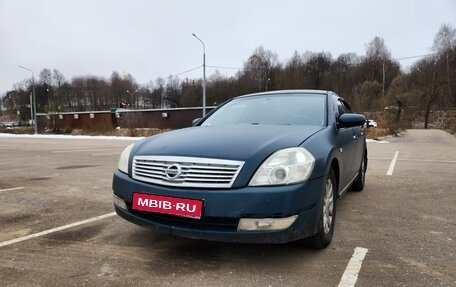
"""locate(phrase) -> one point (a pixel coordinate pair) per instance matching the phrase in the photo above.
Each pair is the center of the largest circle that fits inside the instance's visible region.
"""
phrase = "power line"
(187, 71)
(196, 68)
(239, 68)
(418, 56)
(395, 59)
(228, 68)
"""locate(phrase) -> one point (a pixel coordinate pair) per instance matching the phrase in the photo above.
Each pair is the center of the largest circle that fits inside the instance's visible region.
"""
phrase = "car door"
(346, 142)
(359, 141)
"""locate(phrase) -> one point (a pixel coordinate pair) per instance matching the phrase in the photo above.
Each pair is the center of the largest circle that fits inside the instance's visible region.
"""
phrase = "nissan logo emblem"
(173, 171)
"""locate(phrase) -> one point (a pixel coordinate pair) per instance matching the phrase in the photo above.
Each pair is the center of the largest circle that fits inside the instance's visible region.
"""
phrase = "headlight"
(123, 160)
(285, 166)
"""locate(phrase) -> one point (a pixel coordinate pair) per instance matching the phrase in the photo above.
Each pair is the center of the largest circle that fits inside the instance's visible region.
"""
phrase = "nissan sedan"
(260, 168)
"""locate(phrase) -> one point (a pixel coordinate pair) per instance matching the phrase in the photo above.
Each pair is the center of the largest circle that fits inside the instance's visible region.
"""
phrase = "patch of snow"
(376, 141)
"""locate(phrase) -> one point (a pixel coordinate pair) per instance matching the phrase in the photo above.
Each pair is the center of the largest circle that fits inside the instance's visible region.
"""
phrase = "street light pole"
(204, 74)
(35, 124)
(383, 76)
(31, 106)
(132, 94)
(267, 81)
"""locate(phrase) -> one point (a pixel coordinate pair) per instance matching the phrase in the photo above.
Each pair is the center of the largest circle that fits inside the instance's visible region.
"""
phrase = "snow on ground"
(377, 141)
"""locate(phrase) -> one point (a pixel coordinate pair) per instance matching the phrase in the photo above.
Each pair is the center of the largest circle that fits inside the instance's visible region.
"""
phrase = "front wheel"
(325, 232)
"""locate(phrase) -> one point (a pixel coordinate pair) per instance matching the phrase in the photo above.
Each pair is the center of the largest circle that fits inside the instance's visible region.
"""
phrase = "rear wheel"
(328, 216)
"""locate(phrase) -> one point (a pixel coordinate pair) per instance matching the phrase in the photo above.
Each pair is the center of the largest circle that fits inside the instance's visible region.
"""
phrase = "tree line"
(370, 81)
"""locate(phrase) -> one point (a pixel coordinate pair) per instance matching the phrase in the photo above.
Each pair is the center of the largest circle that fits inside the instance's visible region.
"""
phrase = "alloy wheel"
(328, 206)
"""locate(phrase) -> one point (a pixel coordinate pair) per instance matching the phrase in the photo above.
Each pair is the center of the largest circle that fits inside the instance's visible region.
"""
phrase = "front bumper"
(224, 207)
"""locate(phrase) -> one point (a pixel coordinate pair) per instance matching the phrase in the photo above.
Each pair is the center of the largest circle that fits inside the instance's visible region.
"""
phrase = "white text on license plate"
(168, 205)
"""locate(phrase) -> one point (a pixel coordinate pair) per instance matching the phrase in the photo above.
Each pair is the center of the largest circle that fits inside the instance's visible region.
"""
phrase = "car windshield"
(278, 109)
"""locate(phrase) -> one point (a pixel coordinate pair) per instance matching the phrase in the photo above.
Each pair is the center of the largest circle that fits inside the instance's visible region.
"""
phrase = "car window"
(346, 106)
(288, 109)
(341, 108)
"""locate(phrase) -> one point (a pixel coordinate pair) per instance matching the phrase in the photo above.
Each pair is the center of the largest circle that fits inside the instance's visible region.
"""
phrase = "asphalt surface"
(406, 221)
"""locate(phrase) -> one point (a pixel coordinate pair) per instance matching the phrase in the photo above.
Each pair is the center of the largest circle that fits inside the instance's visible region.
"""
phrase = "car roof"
(322, 92)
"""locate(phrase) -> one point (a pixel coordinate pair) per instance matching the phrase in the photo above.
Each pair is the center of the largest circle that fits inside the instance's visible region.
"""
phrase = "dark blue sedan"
(261, 168)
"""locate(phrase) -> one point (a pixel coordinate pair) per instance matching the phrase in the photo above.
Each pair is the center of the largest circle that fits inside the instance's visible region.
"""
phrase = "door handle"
(355, 137)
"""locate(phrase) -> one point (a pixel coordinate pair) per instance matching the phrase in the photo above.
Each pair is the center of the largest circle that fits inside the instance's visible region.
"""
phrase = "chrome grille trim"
(194, 171)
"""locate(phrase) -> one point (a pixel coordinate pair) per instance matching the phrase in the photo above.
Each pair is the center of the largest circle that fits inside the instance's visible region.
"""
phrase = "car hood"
(233, 142)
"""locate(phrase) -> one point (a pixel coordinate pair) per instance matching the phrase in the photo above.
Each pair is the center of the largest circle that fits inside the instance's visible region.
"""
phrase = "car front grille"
(186, 171)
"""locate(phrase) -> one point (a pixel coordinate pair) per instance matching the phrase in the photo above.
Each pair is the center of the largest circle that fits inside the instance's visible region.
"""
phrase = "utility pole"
(204, 74)
(35, 124)
(448, 76)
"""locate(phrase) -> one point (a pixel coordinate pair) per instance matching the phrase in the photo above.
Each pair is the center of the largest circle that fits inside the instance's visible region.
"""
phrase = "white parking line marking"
(12, 189)
(429, 160)
(392, 164)
(53, 230)
(415, 160)
(350, 275)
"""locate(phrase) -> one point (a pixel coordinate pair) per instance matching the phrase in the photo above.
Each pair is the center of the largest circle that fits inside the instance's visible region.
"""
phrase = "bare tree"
(426, 85)
(445, 43)
(445, 39)
(342, 79)
(377, 65)
(172, 92)
(318, 67)
(377, 49)
(45, 77)
(367, 95)
(119, 87)
(59, 79)
(44, 91)
(293, 74)
(400, 93)
(260, 66)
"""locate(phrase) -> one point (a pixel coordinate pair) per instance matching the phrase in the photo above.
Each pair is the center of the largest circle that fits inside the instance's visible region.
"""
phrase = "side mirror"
(195, 121)
(351, 120)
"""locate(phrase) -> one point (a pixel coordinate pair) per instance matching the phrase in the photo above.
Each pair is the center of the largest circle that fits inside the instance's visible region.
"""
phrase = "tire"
(358, 184)
(327, 220)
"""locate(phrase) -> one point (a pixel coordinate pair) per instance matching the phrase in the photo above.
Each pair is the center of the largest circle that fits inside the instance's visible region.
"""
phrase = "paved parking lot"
(405, 219)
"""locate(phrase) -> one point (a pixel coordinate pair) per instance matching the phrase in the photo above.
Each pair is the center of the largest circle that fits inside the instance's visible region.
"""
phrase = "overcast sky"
(154, 38)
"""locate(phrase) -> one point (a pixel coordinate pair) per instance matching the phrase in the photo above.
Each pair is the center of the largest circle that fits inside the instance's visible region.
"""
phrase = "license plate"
(183, 207)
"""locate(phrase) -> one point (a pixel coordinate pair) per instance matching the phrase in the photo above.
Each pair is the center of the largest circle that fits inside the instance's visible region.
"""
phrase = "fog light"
(262, 224)
(119, 202)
